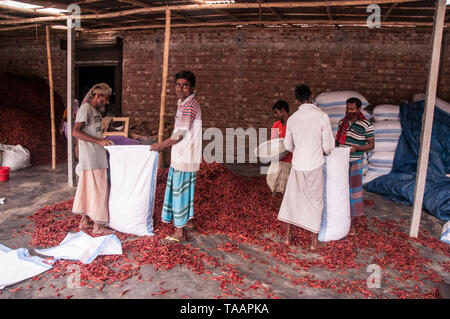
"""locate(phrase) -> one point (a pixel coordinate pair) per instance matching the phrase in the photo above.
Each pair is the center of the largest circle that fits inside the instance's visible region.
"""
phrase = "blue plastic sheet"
(399, 184)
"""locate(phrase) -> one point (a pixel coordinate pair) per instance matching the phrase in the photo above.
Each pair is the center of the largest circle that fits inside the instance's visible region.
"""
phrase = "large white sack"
(15, 157)
(336, 220)
(17, 265)
(133, 184)
(80, 246)
(440, 103)
(338, 98)
(387, 129)
(385, 144)
(374, 172)
(386, 112)
(445, 236)
(381, 159)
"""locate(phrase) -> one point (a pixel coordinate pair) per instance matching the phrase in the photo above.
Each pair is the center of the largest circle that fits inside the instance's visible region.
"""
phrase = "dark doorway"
(100, 61)
(91, 75)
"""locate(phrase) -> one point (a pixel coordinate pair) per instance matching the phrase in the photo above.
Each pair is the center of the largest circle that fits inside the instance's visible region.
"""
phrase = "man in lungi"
(277, 181)
(356, 132)
(92, 194)
(186, 156)
(308, 137)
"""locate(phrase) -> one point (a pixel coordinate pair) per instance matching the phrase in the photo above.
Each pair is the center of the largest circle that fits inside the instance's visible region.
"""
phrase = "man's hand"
(105, 142)
(156, 147)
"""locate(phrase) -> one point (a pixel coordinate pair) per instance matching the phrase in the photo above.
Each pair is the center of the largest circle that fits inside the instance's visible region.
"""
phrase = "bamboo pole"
(52, 96)
(164, 84)
(427, 118)
(191, 7)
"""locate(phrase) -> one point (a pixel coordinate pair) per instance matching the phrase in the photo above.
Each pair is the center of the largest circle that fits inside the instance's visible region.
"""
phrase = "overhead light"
(20, 5)
(52, 10)
(28, 6)
(219, 1)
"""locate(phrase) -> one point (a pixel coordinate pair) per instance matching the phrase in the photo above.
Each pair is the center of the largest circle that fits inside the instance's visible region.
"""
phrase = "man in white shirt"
(308, 137)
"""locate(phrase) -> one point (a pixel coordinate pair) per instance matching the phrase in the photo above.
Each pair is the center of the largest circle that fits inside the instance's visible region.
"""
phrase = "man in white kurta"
(308, 137)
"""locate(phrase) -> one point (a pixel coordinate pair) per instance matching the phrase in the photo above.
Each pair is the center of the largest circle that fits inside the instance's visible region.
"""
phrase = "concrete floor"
(35, 187)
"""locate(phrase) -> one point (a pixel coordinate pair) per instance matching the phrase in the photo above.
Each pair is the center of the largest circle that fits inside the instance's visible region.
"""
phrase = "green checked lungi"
(179, 197)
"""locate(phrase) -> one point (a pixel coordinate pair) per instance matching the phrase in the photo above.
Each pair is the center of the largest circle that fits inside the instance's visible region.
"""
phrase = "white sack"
(386, 112)
(381, 159)
(387, 129)
(445, 236)
(440, 103)
(336, 220)
(133, 184)
(385, 144)
(17, 265)
(338, 98)
(15, 157)
(80, 246)
(374, 172)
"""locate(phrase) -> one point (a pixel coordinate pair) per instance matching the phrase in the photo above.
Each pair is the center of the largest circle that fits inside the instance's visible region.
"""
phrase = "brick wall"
(27, 55)
(241, 73)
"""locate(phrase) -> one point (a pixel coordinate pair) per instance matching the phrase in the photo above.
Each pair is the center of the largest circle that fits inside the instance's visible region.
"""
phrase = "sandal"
(170, 240)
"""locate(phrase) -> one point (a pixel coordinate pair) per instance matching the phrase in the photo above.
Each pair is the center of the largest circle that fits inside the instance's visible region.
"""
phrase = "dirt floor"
(379, 262)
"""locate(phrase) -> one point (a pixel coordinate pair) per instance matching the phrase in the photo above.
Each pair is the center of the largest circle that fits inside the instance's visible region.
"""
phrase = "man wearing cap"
(92, 195)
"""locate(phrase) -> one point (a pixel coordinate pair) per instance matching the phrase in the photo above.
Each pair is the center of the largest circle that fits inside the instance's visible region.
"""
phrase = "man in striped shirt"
(356, 132)
(185, 158)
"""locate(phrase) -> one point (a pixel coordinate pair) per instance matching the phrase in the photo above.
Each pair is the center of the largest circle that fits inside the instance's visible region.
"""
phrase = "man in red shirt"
(277, 178)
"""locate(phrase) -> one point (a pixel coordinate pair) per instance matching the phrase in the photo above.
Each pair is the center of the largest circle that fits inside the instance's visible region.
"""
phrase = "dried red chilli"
(242, 209)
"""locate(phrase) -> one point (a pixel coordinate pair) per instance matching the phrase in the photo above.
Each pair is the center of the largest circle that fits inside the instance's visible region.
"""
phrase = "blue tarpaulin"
(399, 184)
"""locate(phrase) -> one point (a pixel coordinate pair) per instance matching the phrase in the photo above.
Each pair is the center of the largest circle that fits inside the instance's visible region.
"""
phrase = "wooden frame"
(124, 132)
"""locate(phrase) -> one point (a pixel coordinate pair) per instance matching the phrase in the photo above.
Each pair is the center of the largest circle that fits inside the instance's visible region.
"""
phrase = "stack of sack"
(334, 104)
(387, 129)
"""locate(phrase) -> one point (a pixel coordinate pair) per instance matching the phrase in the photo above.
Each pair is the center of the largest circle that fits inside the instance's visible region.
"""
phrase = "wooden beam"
(427, 118)
(164, 84)
(231, 23)
(329, 13)
(210, 7)
(70, 90)
(276, 13)
(52, 99)
(392, 7)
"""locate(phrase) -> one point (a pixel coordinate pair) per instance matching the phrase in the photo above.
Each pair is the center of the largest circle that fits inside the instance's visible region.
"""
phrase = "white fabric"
(387, 129)
(17, 265)
(133, 185)
(381, 159)
(445, 236)
(386, 112)
(336, 220)
(15, 157)
(186, 155)
(308, 137)
(80, 246)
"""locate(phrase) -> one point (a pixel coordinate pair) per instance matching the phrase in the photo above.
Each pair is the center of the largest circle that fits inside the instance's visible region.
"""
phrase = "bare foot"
(317, 245)
(85, 223)
(102, 230)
